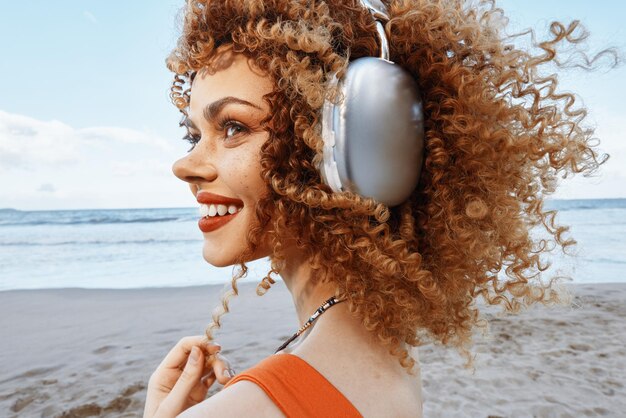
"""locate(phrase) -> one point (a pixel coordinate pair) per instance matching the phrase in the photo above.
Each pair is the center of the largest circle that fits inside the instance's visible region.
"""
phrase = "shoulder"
(371, 379)
(241, 399)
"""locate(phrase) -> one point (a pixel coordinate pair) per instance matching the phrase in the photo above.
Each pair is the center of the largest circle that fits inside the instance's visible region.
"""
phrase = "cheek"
(243, 173)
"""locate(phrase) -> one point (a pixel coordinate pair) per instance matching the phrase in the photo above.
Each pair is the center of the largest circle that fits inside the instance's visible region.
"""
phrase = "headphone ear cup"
(373, 139)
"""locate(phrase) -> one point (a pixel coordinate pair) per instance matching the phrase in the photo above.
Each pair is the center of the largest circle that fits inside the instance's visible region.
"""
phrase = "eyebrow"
(213, 109)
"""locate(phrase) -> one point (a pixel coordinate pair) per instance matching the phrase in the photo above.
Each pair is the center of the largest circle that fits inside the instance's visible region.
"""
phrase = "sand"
(80, 353)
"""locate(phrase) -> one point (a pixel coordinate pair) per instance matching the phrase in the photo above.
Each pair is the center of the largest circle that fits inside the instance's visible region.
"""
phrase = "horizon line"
(7, 209)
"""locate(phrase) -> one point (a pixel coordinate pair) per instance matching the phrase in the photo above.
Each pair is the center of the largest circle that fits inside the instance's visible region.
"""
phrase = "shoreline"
(220, 285)
(78, 352)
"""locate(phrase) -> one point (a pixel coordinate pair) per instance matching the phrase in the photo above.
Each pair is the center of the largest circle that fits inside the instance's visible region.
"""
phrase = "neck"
(336, 323)
(307, 296)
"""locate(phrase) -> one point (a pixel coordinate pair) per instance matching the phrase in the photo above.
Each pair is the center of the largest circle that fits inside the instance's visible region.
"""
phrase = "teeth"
(222, 209)
(217, 210)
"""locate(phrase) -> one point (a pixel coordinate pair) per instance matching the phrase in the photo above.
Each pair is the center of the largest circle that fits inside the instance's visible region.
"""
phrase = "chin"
(217, 258)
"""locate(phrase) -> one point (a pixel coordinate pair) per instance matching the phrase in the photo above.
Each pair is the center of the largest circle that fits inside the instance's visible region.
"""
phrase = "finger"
(220, 366)
(208, 379)
(179, 397)
(199, 391)
(178, 355)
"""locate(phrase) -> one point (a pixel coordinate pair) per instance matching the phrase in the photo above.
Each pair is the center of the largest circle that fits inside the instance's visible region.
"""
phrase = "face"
(226, 159)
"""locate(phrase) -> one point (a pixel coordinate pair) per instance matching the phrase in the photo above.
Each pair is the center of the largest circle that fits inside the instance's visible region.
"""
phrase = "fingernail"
(232, 372)
(227, 373)
(213, 343)
(193, 356)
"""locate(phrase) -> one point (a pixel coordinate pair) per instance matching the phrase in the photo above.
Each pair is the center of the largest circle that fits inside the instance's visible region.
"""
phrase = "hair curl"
(497, 135)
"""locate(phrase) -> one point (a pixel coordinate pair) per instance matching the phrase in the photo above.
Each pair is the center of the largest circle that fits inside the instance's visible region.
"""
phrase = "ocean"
(162, 247)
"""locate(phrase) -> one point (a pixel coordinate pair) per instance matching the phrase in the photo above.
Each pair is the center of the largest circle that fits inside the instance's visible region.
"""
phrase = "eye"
(189, 137)
(231, 128)
(231, 124)
(192, 139)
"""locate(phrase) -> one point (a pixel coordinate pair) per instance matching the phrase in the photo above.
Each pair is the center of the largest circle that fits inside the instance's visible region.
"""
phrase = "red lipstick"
(208, 223)
(211, 223)
(208, 198)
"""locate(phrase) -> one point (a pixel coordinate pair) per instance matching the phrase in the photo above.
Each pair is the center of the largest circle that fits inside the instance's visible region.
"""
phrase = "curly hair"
(497, 135)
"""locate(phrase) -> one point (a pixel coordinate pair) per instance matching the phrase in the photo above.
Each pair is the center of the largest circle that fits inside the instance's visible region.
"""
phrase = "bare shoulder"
(377, 385)
(241, 399)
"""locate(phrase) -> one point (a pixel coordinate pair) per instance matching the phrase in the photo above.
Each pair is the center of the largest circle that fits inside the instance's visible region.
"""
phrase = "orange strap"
(297, 388)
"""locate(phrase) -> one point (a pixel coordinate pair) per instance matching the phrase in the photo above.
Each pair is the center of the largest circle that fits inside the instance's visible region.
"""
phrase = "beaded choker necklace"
(330, 302)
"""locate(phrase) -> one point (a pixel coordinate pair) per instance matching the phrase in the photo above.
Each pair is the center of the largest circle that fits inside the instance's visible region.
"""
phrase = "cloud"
(27, 142)
(151, 167)
(52, 165)
(130, 136)
(47, 187)
(90, 16)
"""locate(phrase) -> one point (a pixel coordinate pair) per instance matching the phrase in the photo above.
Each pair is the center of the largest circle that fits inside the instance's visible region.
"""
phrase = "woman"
(385, 279)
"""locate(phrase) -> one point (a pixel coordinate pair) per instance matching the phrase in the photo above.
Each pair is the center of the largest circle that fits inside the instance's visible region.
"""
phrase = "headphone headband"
(376, 8)
(379, 13)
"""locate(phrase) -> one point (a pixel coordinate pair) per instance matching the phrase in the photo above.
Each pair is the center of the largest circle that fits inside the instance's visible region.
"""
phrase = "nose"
(192, 168)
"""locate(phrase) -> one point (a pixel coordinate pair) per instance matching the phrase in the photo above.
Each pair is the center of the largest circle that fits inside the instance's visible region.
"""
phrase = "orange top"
(297, 388)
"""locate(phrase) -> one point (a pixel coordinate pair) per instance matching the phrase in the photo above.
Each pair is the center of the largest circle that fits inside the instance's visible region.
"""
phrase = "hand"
(184, 377)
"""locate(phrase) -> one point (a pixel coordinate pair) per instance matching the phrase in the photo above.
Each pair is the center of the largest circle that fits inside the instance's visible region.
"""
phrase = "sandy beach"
(80, 353)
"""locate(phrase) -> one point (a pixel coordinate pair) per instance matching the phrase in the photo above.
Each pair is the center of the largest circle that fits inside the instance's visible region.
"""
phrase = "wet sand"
(81, 353)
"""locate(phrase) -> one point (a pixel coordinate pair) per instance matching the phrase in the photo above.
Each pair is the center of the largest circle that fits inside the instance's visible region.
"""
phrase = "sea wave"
(584, 204)
(18, 218)
(93, 221)
(96, 242)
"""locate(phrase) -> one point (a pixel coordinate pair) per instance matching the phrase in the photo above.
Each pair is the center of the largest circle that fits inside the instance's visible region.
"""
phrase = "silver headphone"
(373, 139)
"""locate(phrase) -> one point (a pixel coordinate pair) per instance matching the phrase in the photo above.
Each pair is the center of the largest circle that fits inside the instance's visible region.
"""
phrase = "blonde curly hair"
(497, 135)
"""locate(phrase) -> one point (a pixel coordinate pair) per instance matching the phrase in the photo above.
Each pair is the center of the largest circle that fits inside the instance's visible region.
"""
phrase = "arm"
(241, 399)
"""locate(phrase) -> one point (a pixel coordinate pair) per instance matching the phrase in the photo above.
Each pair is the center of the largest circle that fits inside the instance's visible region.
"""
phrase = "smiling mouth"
(216, 210)
(212, 221)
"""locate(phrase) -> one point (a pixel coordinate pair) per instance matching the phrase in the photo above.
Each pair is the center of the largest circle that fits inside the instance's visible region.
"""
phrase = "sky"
(86, 121)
